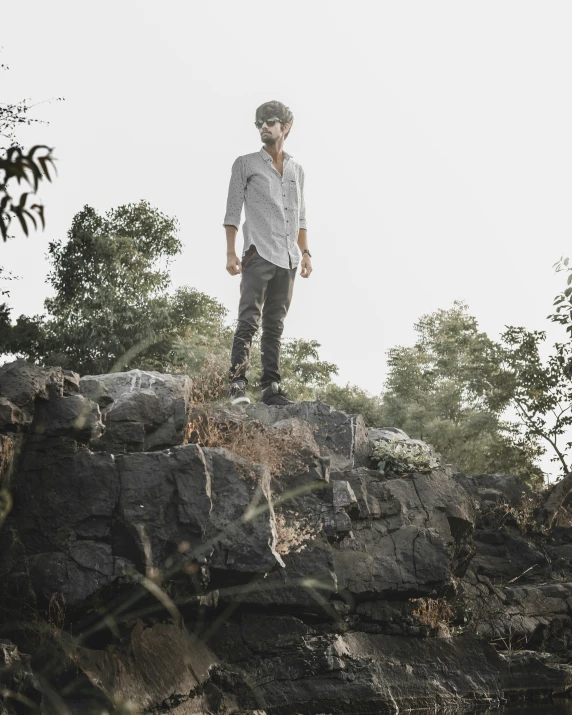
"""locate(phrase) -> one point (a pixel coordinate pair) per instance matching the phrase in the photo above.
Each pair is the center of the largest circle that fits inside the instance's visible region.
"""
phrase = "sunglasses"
(269, 122)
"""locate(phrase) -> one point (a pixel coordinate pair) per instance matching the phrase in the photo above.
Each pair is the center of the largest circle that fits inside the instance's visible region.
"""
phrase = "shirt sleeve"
(302, 218)
(236, 191)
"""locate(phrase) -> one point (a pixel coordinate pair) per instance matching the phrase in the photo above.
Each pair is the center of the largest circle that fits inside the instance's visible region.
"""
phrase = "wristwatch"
(305, 250)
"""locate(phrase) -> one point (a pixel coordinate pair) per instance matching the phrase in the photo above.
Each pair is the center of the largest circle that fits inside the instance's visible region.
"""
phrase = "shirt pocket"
(294, 193)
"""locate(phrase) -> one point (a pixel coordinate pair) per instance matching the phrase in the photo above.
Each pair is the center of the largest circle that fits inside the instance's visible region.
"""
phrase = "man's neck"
(275, 150)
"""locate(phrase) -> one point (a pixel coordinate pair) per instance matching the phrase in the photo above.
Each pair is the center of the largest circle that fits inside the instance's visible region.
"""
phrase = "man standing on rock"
(271, 186)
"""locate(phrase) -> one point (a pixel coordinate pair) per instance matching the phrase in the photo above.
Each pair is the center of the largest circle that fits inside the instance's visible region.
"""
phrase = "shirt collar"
(266, 156)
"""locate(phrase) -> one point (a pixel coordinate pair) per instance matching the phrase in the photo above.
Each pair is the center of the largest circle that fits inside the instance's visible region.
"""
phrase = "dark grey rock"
(504, 553)
(273, 633)
(341, 437)
(160, 668)
(11, 416)
(366, 673)
(142, 410)
(75, 576)
(22, 382)
(241, 525)
(95, 390)
(75, 417)
(55, 498)
(524, 617)
(534, 674)
(344, 495)
(419, 540)
(19, 683)
(164, 505)
(497, 488)
(299, 565)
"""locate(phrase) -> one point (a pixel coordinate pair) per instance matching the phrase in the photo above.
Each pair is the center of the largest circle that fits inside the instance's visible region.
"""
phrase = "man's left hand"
(306, 266)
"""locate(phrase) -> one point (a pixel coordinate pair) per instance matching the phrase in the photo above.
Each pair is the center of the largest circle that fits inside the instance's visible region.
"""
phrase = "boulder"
(505, 553)
(66, 497)
(75, 417)
(22, 383)
(241, 526)
(521, 617)
(341, 437)
(493, 489)
(413, 535)
(19, 683)
(142, 410)
(11, 416)
(534, 674)
(157, 669)
(76, 575)
(352, 672)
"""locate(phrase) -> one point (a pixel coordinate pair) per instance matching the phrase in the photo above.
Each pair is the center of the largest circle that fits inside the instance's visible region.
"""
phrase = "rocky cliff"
(164, 557)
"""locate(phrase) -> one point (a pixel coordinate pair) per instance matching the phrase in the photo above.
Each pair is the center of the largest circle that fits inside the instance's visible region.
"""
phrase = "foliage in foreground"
(21, 167)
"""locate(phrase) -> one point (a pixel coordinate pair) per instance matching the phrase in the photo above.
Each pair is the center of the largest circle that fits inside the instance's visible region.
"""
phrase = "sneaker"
(273, 395)
(237, 393)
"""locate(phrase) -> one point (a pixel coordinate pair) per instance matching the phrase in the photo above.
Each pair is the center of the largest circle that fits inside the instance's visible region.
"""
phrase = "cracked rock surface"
(255, 561)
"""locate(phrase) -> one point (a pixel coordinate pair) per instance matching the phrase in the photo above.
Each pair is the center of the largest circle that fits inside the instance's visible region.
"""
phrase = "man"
(271, 186)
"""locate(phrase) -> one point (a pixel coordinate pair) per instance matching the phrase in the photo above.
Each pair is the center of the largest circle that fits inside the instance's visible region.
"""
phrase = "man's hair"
(275, 109)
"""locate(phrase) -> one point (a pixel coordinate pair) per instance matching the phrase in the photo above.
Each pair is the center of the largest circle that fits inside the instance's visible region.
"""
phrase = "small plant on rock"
(293, 533)
(400, 457)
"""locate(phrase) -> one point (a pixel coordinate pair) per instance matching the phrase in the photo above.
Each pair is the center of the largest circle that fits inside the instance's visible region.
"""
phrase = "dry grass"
(512, 642)
(210, 385)
(522, 515)
(248, 439)
(563, 516)
(433, 612)
(293, 533)
(56, 613)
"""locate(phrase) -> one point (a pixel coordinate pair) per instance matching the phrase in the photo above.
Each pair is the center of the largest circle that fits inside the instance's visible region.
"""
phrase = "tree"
(451, 389)
(112, 309)
(21, 167)
(206, 357)
(541, 390)
(563, 301)
(354, 400)
(303, 372)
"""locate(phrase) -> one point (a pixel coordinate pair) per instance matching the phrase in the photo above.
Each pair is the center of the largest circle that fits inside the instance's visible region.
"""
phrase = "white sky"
(436, 139)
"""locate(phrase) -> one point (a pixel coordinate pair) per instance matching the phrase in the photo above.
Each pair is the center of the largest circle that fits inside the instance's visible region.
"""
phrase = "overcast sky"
(436, 139)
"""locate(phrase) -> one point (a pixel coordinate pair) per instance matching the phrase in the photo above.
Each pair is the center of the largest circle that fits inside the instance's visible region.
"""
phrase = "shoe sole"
(240, 401)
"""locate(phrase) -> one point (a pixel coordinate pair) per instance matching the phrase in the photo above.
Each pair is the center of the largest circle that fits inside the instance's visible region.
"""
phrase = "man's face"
(271, 134)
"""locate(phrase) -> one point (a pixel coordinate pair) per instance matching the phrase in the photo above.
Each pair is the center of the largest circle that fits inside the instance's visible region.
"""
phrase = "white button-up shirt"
(274, 206)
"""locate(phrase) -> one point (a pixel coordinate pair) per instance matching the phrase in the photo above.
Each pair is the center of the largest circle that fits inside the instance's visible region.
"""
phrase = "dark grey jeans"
(265, 290)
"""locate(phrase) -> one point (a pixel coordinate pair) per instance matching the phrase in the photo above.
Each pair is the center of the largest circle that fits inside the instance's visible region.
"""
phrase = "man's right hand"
(233, 264)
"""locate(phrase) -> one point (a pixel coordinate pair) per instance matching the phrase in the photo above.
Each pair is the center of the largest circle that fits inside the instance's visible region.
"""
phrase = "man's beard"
(268, 139)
